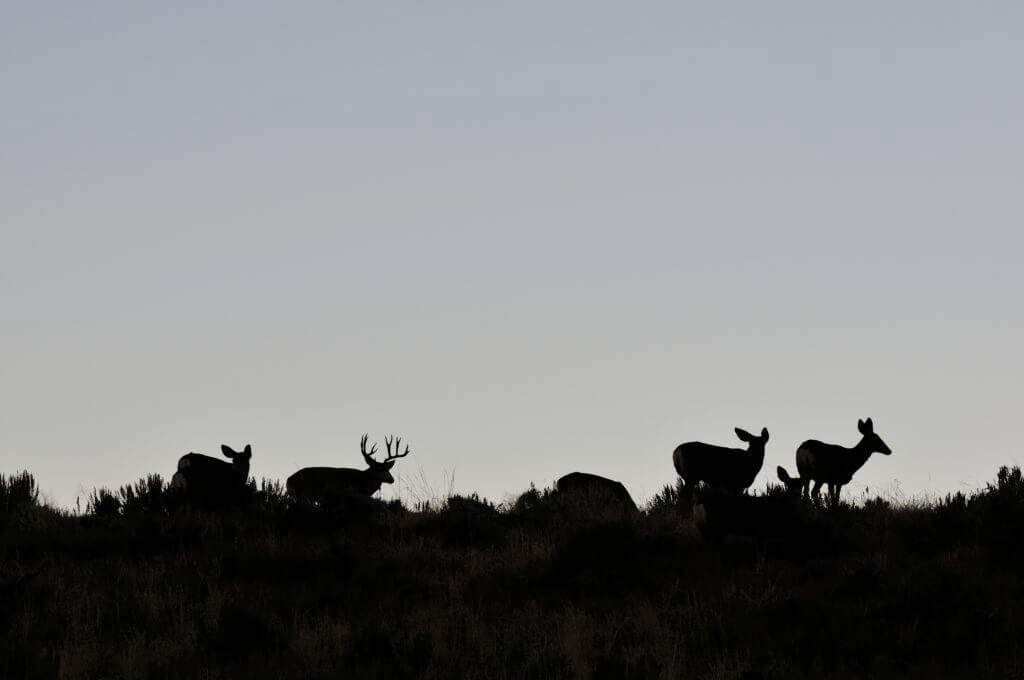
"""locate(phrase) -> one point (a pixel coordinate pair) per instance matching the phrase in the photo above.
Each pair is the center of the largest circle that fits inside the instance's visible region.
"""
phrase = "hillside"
(547, 587)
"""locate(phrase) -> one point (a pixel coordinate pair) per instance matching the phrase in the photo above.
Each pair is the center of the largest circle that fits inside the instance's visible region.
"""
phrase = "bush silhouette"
(18, 491)
(546, 586)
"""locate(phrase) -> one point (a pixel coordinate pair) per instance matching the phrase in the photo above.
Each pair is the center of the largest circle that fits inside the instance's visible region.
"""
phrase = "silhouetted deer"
(594, 486)
(207, 481)
(718, 515)
(833, 464)
(721, 466)
(325, 485)
(792, 485)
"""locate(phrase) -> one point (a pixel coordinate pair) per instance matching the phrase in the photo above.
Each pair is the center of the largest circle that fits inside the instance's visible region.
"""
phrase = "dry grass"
(541, 588)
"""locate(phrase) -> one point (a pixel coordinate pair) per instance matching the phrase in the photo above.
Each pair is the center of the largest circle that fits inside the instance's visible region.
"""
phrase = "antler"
(398, 444)
(368, 455)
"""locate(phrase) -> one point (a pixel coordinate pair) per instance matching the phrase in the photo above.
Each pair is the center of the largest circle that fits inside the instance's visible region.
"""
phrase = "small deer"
(325, 485)
(718, 515)
(721, 466)
(833, 464)
(791, 485)
(209, 481)
(594, 486)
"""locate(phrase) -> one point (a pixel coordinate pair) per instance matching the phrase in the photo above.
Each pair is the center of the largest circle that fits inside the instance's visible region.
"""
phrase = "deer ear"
(764, 433)
(743, 435)
(781, 472)
(860, 426)
(870, 426)
(247, 451)
(227, 451)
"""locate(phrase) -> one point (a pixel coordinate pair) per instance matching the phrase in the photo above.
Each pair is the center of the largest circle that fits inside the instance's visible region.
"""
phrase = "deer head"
(381, 470)
(792, 485)
(871, 442)
(756, 443)
(239, 459)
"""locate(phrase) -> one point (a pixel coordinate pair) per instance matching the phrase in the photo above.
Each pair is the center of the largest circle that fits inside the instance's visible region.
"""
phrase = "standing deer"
(718, 515)
(833, 464)
(208, 481)
(721, 466)
(595, 486)
(325, 485)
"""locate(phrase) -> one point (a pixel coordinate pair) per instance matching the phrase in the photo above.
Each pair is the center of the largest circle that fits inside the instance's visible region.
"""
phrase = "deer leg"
(816, 491)
(833, 494)
(805, 487)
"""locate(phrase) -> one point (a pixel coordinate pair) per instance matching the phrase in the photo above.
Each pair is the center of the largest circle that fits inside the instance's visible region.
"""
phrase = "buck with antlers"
(833, 464)
(325, 485)
(721, 466)
(208, 481)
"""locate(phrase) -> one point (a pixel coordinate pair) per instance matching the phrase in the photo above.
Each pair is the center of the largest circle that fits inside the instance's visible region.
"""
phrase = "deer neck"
(757, 458)
(858, 455)
(241, 468)
(372, 481)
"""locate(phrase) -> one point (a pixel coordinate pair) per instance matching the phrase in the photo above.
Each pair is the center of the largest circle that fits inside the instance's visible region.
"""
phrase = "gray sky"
(530, 239)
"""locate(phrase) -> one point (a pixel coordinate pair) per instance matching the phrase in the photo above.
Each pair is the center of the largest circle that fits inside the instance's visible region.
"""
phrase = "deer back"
(197, 466)
(828, 462)
(719, 465)
(319, 484)
(210, 481)
(595, 485)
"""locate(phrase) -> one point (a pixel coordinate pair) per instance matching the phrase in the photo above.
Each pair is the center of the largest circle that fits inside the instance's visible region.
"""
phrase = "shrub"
(1009, 486)
(547, 586)
(147, 496)
(530, 500)
(667, 503)
(18, 491)
(999, 511)
(103, 502)
(270, 494)
(466, 521)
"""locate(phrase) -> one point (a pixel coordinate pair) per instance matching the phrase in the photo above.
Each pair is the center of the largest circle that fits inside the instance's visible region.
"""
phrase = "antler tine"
(398, 445)
(362, 447)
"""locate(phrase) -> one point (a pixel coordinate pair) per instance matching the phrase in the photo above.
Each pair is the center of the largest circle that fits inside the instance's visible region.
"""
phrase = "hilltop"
(545, 587)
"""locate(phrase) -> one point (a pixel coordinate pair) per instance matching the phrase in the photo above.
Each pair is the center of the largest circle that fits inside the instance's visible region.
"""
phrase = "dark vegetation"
(550, 586)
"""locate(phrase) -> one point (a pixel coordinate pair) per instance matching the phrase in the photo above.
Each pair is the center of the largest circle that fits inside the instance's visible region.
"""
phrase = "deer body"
(325, 485)
(719, 515)
(719, 465)
(208, 481)
(835, 465)
(595, 485)
(320, 484)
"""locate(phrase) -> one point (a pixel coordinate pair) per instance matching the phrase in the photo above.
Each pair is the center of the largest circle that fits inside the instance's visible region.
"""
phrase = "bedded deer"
(718, 515)
(326, 485)
(833, 464)
(207, 481)
(719, 465)
(594, 486)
